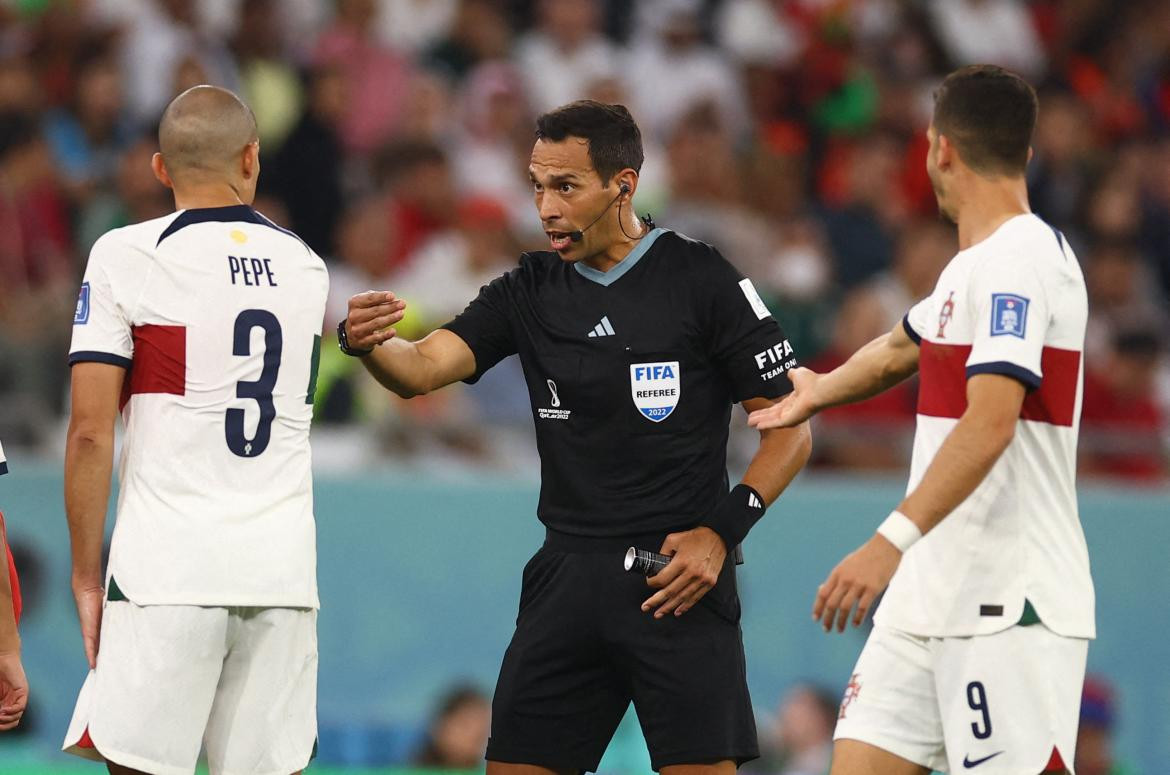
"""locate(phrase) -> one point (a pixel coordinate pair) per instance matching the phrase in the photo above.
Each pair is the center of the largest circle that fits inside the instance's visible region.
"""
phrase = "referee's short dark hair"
(615, 142)
(988, 113)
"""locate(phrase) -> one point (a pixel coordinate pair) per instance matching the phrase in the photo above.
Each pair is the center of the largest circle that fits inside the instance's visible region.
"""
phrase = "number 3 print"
(259, 390)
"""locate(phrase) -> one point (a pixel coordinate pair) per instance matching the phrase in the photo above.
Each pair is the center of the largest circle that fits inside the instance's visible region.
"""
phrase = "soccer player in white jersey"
(977, 655)
(13, 683)
(202, 328)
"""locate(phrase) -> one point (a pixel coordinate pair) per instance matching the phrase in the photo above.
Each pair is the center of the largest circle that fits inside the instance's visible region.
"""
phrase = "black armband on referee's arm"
(740, 510)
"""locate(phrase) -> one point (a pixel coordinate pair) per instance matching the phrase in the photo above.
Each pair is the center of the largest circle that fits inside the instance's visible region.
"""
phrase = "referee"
(635, 341)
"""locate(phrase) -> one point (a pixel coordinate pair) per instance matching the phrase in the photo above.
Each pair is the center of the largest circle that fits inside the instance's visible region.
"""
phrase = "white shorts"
(989, 704)
(243, 681)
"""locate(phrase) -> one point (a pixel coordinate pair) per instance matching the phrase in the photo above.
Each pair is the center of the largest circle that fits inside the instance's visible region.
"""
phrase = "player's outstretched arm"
(877, 367)
(971, 449)
(89, 461)
(13, 683)
(405, 368)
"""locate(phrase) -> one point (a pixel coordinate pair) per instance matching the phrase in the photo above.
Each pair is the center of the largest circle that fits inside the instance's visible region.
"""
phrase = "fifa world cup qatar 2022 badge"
(554, 410)
(655, 388)
(1009, 315)
(945, 314)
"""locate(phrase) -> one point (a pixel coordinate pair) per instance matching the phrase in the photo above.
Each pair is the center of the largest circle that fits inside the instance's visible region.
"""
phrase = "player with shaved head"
(202, 329)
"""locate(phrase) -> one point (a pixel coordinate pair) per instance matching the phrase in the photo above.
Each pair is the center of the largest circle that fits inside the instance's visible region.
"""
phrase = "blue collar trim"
(230, 214)
(625, 265)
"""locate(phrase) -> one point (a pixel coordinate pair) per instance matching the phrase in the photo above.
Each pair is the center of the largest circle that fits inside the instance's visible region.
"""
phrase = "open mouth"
(559, 240)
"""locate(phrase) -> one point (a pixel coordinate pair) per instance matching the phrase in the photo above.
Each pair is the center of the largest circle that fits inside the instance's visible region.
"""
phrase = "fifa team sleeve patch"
(1009, 315)
(757, 304)
(81, 314)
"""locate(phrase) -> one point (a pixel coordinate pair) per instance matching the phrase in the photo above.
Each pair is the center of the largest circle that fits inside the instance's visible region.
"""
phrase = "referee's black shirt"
(631, 374)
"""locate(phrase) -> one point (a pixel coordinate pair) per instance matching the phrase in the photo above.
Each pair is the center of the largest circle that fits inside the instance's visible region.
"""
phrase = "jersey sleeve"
(746, 342)
(1011, 322)
(101, 321)
(915, 321)
(485, 326)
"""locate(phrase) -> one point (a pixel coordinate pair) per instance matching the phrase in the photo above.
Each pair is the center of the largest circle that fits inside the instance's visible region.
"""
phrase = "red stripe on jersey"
(942, 379)
(1055, 402)
(942, 390)
(85, 741)
(1055, 762)
(13, 580)
(159, 363)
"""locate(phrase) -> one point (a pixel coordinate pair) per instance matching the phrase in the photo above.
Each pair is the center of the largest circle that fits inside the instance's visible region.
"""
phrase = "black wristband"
(739, 511)
(343, 343)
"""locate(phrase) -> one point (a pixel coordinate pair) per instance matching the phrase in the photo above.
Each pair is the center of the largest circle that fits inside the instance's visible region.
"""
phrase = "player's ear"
(945, 153)
(160, 170)
(250, 161)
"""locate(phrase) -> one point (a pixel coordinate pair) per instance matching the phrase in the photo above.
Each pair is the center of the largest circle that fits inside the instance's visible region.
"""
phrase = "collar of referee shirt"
(626, 264)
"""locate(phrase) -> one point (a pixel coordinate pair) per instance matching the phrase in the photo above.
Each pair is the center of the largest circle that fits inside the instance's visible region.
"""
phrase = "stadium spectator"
(819, 106)
(308, 169)
(268, 78)
(413, 26)
(676, 70)
(1122, 425)
(799, 740)
(36, 279)
(416, 176)
(376, 76)
(162, 35)
(1095, 736)
(88, 136)
(479, 33)
(565, 52)
(137, 196)
(998, 31)
(458, 731)
(495, 139)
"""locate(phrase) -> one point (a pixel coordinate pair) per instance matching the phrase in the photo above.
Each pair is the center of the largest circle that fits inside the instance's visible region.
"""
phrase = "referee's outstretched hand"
(794, 408)
(371, 315)
(697, 560)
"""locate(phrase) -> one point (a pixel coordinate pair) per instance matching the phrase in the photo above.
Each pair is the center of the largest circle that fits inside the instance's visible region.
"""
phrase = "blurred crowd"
(789, 133)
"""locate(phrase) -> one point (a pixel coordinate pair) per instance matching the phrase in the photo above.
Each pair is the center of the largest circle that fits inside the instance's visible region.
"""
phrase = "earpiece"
(624, 188)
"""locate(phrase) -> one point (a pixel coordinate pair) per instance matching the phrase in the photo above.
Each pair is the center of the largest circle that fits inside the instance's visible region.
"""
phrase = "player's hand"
(371, 315)
(794, 408)
(13, 690)
(89, 613)
(697, 560)
(857, 580)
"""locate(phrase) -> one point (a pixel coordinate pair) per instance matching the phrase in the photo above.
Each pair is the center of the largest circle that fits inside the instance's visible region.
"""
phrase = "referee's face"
(569, 196)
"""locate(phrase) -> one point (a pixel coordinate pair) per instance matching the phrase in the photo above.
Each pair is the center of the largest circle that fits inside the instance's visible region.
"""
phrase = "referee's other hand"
(697, 558)
(794, 408)
(371, 315)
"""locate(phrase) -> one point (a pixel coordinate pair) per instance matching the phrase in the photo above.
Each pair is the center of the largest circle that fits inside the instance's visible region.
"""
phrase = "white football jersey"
(216, 315)
(1014, 304)
(3, 461)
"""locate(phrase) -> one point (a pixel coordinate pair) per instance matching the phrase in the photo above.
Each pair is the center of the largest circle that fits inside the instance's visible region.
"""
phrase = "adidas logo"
(754, 502)
(602, 329)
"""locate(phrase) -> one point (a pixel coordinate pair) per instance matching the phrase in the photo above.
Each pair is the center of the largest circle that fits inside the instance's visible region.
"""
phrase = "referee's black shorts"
(583, 649)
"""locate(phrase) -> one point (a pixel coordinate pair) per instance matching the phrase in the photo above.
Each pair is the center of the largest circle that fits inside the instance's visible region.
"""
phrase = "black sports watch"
(343, 343)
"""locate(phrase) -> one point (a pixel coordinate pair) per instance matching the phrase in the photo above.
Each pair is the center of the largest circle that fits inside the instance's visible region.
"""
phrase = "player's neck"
(989, 204)
(617, 252)
(207, 195)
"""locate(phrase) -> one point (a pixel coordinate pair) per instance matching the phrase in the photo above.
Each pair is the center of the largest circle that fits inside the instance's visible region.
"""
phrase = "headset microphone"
(577, 236)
